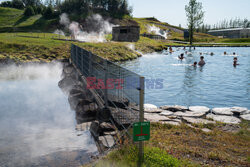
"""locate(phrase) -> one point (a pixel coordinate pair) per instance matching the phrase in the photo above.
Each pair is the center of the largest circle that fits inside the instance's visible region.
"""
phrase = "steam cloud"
(95, 28)
(157, 31)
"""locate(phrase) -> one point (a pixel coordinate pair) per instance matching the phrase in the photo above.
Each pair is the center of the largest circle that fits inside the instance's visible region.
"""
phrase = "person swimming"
(170, 49)
(235, 62)
(225, 53)
(184, 48)
(201, 62)
(195, 64)
(233, 53)
(200, 53)
(181, 57)
(212, 53)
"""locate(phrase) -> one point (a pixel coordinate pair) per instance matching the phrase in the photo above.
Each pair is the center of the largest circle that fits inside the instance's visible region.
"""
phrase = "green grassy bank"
(185, 146)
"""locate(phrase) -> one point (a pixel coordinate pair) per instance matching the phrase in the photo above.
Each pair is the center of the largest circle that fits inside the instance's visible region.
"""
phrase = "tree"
(48, 13)
(29, 11)
(194, 17)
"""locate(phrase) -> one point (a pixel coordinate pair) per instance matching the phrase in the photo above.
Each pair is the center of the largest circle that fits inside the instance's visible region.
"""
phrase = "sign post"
(139, 134)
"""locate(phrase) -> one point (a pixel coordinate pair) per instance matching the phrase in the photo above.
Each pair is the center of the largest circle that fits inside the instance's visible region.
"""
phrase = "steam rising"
(35, 117)
(94, 30)
(157, 31)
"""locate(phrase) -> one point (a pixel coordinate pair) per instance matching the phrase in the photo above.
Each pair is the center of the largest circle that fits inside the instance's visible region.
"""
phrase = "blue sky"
(173, 11)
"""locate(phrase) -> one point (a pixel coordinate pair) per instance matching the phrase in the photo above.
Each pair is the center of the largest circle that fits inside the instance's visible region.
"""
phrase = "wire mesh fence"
(118, 88)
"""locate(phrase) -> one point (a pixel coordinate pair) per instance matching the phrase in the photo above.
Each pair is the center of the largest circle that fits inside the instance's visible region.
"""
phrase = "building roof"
(229, 29)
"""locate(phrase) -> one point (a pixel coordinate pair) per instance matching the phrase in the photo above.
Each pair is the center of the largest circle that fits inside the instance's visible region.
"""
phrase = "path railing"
(120, 90)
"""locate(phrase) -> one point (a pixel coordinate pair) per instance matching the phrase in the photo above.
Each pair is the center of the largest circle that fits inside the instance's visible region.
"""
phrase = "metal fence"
(120, 90)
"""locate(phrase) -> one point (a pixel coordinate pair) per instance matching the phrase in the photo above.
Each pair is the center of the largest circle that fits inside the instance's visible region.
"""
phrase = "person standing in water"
(201, 62)
(181, 57)
(235, 63)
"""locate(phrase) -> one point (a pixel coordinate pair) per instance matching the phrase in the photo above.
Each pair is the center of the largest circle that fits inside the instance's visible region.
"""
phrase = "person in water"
(184, 48)
(212, 53)
(201, 62)
(225, 53)
(170, 49)
(195, 64)
(181, 57)
(234, 54)
(235, 62)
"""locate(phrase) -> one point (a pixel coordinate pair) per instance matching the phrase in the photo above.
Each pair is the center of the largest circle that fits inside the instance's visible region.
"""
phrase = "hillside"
(13, 20)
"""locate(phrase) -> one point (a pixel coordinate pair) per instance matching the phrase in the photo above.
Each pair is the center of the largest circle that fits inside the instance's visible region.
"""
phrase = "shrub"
(29, 11)
(39, 9)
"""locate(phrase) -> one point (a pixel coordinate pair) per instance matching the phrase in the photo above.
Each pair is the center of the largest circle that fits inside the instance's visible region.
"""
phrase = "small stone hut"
(126, 33)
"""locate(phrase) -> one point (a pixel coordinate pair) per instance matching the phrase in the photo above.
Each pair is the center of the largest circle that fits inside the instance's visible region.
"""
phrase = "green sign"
(141, 131)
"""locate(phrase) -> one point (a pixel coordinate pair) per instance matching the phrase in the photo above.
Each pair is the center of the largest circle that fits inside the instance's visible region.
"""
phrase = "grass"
(184, 146)
(24, 47)
(9, 16)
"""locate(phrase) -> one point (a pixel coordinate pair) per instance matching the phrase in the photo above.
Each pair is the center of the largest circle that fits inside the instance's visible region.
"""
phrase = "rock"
(113, 133)
(202, 109)
(238, 110)
(171, 123)
(157, 110)
(105, 126)
(190, 114)
(149, 107)
(246, 117)
(95, 128)
(197, 120)
(108, 141)
(155, 117)
(83, 126)
(246, 112)
(224, 119)
(222, 111)
(206, 130)
(166, 113)
(174, 108)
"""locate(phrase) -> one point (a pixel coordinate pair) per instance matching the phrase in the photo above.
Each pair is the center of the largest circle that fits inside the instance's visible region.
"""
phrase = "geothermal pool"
(217, 84)
(37, 126)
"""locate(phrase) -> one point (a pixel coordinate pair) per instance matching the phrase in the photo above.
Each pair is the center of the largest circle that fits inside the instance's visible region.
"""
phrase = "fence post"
(105, 79)
(141, 116)
(90, 64)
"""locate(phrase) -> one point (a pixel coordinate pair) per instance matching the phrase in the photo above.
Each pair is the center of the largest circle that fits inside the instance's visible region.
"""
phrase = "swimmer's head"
(201, 57)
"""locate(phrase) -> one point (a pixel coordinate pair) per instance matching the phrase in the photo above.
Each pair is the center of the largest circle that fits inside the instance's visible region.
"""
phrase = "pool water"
(217, 84)
(37, 126)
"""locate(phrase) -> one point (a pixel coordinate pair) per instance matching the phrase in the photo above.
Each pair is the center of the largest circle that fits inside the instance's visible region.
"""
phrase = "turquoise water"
(217, 84)
(37, 126)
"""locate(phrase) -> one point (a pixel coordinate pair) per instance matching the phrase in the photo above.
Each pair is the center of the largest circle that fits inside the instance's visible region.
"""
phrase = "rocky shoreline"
(175, 115)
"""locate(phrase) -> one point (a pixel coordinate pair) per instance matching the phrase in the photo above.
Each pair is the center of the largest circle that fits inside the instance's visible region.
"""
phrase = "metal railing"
(117, 88)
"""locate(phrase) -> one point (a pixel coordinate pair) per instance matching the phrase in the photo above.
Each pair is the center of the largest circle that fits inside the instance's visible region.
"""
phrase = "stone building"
(126, 33)
(231, 33)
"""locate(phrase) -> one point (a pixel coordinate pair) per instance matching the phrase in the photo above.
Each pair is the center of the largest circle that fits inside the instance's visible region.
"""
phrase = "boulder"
(238, 110)
(95, 129)
(155, 117)
(206, 130)
(190, 114)
(222, 111)
(201, 109)
(105, 126)
(166, 113)
(83, 126)
(224, 119)
(174, 108)
(149, 106)
(246, 112)
(150, 110)
(107, 141)
(197, 120)
(246, 117)
(171, 123)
